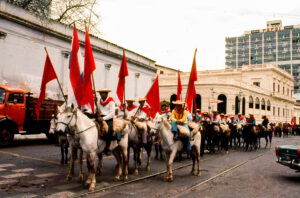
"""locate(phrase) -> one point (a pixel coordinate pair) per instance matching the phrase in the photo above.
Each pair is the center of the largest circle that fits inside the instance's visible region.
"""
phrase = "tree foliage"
(69, 12)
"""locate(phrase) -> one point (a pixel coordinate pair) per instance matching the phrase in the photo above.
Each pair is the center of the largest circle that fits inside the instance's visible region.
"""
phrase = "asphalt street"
(31, 168)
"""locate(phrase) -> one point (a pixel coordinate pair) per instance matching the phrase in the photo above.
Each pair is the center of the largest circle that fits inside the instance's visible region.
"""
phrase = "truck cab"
(12, 112)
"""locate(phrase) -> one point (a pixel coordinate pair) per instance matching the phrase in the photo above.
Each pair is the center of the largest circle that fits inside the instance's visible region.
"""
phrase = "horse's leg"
(62, 160)
(135, 153)
(125, 163)
(80, 165)
(193, 159)
(71, 171)
(170, 164)
(148, 149)
(167, 155)
(198, 160)
(91, 158)
(270, 137)
(116, 153)
(99, 167)
(66, 148)
(160, 151)
(156, 150)
(266, 138)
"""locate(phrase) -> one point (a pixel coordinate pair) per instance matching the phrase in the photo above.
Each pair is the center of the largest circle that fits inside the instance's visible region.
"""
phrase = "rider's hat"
(221, 114)
(164, 103)
(263, 116)
(250, 114)
(130, 100)
(104, 90)
(214, 111)
(205, 113)
(142, 99)
(239, 114)
(198, 110)
(178, 102)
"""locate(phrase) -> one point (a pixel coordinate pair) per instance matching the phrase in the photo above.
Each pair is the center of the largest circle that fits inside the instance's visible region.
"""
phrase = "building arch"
(244, 106)
(222, 105)
(198, 101)
(250, 102)
(268, 105)
(237, 105)
(172, 98)
(263, 104)
(257, 103)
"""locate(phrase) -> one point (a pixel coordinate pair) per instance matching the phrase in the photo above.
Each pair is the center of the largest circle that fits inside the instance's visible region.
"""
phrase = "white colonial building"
(258, 89)
(23, 37)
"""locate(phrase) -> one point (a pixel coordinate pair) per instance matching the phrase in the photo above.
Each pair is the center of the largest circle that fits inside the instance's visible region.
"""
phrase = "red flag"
(179, 87)
(75, 76)
(152, 98)
(191, 92)
(48, 75)
(89, 67)
(122, 74)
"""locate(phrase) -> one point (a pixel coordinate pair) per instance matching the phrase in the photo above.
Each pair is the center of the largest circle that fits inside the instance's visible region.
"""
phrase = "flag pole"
(57, 80)
(124, 116)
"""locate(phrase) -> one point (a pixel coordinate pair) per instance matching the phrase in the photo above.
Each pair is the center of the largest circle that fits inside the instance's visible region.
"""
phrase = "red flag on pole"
(89, 67)
(191, 92)
(179, 87)
(122, 74)
(75, 75)
(152, 98)
(48, 75)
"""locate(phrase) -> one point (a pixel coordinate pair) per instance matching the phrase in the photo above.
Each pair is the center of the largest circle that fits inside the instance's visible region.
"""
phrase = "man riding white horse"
(165, 113)
(130, 109)
(107, 113)
(179, 117)
(142, 115)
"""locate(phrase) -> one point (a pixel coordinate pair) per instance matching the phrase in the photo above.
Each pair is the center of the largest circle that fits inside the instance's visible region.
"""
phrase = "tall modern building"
(276, 44)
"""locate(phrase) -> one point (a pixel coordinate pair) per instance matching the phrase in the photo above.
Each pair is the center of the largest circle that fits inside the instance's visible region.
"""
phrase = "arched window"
(257, 103)
(250, 102)
(268, 105)
(263, 104)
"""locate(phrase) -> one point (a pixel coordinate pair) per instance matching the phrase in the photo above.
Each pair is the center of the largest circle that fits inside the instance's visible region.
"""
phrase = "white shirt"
(130, 113)
(141, 115)
(216, 120)
(107, 111)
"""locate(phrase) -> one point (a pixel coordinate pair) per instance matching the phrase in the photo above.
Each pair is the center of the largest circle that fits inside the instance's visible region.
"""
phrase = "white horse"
(170, 147)
(85, 133)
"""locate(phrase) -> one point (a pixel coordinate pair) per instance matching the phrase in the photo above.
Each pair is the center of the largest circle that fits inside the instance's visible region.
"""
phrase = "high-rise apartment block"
(276, 44)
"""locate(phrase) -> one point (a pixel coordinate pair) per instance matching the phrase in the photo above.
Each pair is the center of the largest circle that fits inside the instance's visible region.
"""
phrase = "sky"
(169, 31)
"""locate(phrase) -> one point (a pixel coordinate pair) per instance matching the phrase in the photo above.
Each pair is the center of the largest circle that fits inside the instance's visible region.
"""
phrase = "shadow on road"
(292, 179)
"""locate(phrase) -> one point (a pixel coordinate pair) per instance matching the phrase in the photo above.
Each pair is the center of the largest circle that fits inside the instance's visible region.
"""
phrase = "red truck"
(17, 114)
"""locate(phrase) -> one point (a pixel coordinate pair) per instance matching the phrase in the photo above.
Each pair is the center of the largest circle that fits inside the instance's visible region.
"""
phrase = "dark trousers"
(109, 135)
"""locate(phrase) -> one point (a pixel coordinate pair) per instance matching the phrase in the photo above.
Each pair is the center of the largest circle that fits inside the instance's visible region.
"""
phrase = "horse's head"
(156, 124)
(53, 123)
(66, 119)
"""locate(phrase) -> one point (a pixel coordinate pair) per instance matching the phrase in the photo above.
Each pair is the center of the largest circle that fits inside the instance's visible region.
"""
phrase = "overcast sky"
(168, 31)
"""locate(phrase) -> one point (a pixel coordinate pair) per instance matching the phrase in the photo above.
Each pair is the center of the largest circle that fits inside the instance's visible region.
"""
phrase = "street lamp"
(212, 95)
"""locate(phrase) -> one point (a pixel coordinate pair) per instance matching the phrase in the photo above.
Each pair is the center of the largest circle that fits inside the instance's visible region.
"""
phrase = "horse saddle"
(224, 127)
(142, 126)
(102, 128)
(119, 125)
(216, 128)
(194, 128)
(255, 130)
(238, 126)
(183, 132)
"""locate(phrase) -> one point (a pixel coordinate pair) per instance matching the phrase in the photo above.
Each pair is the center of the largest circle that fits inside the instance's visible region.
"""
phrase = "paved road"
(31, 168)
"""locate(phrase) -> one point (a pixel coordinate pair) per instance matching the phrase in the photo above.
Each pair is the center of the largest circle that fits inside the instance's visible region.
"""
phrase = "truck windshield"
(2, 95)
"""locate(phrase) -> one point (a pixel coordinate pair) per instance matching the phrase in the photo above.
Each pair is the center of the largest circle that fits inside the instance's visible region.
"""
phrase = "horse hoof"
(170, 179)
(98, 172)
(148, 168)
(117, 178)
(136, 172)
(69, 177)
(199, 174)
(61, 162)
(125, 178)
(192, 173)
(81, 177)
(92, 188)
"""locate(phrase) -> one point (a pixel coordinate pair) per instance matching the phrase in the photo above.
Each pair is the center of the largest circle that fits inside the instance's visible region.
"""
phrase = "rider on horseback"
(199, 115)
(165, 113)
(130, 109)
(264, 123)
(107, 109)
(179, 116)
(216, 119)
(142, 115)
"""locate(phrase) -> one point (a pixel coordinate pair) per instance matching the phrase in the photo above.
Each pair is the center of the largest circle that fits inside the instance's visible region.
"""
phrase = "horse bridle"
(68, 125)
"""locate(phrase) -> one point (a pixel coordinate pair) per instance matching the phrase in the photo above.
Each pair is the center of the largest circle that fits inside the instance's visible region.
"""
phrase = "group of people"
(179, 116)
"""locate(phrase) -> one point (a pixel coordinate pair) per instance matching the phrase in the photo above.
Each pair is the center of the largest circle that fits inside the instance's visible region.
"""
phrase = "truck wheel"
(6, 137)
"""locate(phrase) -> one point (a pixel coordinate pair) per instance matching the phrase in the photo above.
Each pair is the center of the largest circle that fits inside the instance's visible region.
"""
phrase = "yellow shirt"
(179, 116)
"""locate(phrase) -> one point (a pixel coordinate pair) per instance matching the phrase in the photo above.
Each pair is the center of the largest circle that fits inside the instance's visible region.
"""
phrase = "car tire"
(6, 136)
